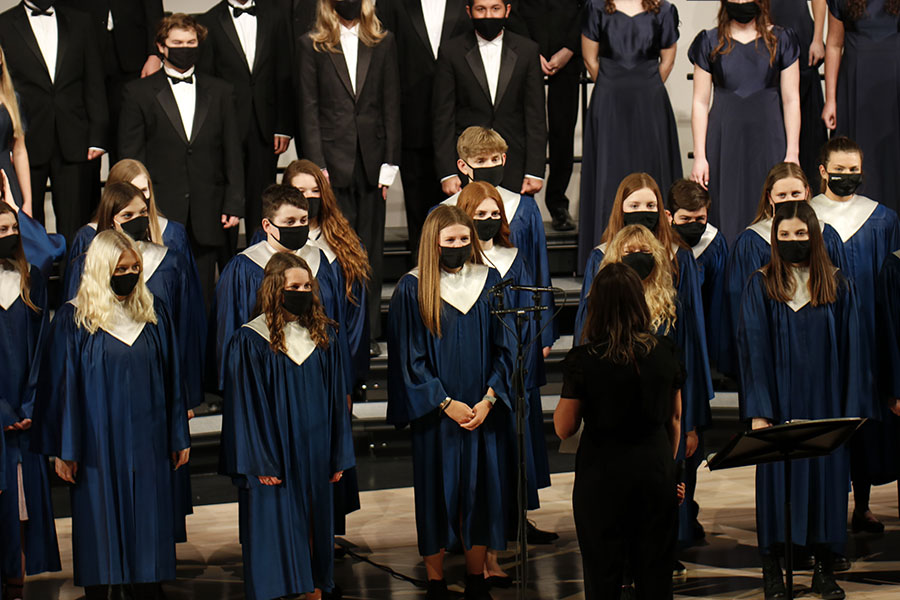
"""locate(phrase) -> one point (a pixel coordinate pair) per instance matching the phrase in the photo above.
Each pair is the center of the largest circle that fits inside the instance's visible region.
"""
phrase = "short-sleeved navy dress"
(630, 125)
(745, 136)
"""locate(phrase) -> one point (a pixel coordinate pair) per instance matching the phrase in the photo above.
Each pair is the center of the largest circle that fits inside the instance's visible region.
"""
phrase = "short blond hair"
(479, 141)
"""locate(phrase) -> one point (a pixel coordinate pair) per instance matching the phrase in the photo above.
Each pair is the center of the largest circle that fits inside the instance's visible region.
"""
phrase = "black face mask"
(487, 228)
(297, 302)
(647, 218)
(742, 12)
(454, 258)
(844, 184)
(137, 228)
(123, 285)
(794, 251)
(293, 238)
(489, 28)
(641, 262)
(8, 245)
(690, 232)
(183, 57)
(492, 175)
(315, 206)
(348, 9)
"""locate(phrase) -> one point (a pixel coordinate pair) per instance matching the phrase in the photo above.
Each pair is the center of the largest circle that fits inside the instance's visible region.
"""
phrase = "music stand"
(785, 443)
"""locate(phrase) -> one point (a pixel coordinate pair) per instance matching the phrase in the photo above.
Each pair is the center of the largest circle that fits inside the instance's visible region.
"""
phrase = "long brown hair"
(326, 33)
(783, 170)
(618, 314)
(663, 232)
(779, 279)
(270, 297)
(19, 262)
(651, 6)
(429, 295)
(336, 230)
(126, 170)
(8, 98)
(474, 194)
(763, 31)
(116, 196)
(857, 8)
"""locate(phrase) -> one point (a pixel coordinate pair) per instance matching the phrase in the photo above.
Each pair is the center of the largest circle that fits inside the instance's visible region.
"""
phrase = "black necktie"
(238, 11)
(176, 80)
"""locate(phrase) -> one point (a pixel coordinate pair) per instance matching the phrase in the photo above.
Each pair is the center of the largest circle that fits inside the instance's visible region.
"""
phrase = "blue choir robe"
(174, 236)
(510, 263)
(22, 340)
(752, 251)
(526, 232)
(457, 473)
(285, 416)
(887, 322)
(870, 232)
(113, 402)
(42, 249)
(711, 254)
(799, 361)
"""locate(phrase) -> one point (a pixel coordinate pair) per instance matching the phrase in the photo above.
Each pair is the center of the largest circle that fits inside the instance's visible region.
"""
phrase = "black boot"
(477, 587)
(823, 583)
(437, 590)
(773, 579)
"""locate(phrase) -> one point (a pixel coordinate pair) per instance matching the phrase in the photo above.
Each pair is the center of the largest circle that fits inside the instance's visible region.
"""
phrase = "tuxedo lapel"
(417, 18)
(23, 26)
(473, 58)
(166, 100)
(451, 18)
(202, 106)
(264, 28)
(231, 33)
(63, 38)
(508, 59)
(363, 60)
(340, 65)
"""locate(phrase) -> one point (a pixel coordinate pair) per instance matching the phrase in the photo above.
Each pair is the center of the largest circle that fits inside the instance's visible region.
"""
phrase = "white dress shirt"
(433, 10)
(491, 51)
(46, 32)
(245, 25)
(185, 97)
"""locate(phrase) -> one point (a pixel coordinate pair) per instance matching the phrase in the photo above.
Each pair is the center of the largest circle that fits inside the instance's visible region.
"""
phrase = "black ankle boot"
(773, 579)
(477, 587)
(437, 590)
(823, 583)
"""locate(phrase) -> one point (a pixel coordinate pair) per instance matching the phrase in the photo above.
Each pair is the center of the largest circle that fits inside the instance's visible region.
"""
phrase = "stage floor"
(209, 565)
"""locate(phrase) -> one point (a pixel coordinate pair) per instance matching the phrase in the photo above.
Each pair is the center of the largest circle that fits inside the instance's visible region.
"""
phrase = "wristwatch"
(489, 398)
(443, 406)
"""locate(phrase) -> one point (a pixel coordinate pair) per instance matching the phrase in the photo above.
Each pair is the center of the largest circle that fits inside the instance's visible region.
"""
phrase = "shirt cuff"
(443, 179)
(96, 148)
(284, 135)
(535, 177)
(387, 174)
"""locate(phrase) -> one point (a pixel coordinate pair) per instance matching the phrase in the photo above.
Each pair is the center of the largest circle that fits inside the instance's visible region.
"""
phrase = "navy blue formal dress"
(745, 136)
(630, 125)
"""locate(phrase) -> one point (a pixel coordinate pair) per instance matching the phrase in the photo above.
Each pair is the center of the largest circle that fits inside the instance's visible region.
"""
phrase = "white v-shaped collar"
(10, 286)
(163, 223)
(93, 225)
(511, 201)
(260, 253)
(463, 289)
(153, 256)
(601, 247)
(123, 327)
(317, 239)
(297, 340)
(501, 257)
(846, 217)
(709, 234)
(896, 253)
(801, 289)
(764, 229)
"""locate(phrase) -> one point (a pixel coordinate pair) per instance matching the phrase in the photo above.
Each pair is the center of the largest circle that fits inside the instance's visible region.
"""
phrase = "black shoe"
(804, 560)
(336, 593)
(860, 524)
(679, 570)
(374, 349)
(536, 536)
(497, 581)
(840, 563)
(773, 579)
(824, 585)
(437, 590)
(339, 552)
(627, 593)
(562, 220)
(477, 588)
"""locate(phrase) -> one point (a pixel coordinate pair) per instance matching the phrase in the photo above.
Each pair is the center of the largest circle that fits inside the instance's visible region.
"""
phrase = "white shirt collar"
(153, 255)
(354, 31)
(461, 290)
(173, 73)
(237, 4)
(10, 286)
(709, 234)
(801, 289)
(497, 41)
(845, 217)
(501, 258)
(263, 251)
(297, 340)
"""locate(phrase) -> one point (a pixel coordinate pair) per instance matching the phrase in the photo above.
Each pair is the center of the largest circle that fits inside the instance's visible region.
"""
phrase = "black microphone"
(501, 286)
(531, 288)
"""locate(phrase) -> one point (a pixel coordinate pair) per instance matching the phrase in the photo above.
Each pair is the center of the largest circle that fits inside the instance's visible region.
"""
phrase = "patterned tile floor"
(726, 567)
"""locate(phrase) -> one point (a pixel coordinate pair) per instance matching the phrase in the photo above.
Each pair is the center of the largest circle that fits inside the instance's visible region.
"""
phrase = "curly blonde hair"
(95, 302)
(659, 291)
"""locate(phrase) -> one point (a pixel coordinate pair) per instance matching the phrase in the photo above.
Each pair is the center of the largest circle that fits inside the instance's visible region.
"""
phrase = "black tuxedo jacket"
(194, 181)
(417, 62)
(299, 17)
(265, 92)
(71, 110)
(334, 119)
(134, 27)
(553, 24)
(462, 99)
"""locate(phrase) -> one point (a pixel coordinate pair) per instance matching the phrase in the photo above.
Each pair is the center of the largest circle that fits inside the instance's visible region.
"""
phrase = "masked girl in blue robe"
(111, 409)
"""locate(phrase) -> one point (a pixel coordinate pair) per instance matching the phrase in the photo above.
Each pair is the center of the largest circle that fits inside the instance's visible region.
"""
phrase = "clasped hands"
(468, 418)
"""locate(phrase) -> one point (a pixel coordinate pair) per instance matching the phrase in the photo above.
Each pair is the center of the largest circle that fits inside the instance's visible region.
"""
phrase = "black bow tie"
(238, 11)
(37, 12)
(176, 80)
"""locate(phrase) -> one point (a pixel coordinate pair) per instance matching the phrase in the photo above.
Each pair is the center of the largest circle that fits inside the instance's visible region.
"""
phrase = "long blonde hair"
(659, 290)
(326, 34)
(95, 302)
(430, 303)
(8, 97)
(125, 171)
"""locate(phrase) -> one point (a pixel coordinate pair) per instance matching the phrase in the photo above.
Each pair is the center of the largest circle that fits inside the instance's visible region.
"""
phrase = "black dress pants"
(421, 190)
(562, 115)
(71, 190)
